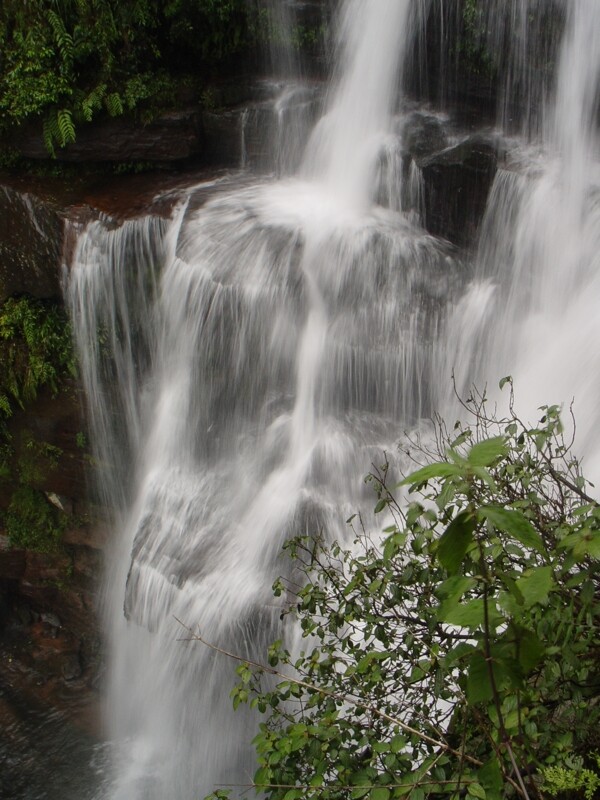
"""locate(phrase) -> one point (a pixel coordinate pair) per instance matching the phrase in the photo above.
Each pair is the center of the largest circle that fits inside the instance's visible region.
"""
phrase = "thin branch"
(338, 786)
(342, 698)
(490, 666)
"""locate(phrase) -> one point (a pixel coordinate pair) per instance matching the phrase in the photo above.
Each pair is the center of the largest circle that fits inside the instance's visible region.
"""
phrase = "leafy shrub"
(66, 61)
(456, 656)
(573, 781)
(35, 350)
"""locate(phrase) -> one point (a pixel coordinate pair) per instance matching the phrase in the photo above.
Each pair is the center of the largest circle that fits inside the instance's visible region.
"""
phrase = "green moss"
(309, 37)
(33, 523)
(135, 167)
(35, 352)
(36, 460)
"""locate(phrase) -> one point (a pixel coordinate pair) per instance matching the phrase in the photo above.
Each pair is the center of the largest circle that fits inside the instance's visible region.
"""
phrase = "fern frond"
(93, 102)
(114, 104)
(63, 38)
(66, 127)
(48, 135)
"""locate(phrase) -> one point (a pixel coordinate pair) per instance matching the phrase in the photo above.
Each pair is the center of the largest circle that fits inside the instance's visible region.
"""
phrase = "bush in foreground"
(457, 655)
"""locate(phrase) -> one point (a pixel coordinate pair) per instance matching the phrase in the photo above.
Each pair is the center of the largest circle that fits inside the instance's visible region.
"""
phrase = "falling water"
(248, 358)
(259, 345)
(532, 309)
(522, 37)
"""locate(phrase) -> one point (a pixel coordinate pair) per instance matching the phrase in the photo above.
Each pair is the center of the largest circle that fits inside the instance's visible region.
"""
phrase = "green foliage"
(471, 47)
(36, 460)
(33, 523)
(134, 167)
(58, 128)
(35, 350)
(459, 654)
(573, 782)
(63, 63)
(212, 30)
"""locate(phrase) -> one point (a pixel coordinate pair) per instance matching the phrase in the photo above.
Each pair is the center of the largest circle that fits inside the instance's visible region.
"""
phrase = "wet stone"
(51, 619)
(457, 182)
(423, 135)
(71, 667)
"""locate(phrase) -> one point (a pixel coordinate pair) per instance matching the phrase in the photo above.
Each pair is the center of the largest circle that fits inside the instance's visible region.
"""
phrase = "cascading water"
(532, 309)
(522, 37)
(247, 359)
(260, 344)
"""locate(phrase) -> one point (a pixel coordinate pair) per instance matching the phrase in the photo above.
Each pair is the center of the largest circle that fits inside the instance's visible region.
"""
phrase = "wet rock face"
(457, 183)
(31, 234)
(56, 420)
(451, 66)
(423, 135)
(176, 136)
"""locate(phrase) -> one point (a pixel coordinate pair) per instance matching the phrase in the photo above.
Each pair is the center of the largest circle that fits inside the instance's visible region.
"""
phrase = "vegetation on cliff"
(65, 62)
(456, 655)
(36, 353)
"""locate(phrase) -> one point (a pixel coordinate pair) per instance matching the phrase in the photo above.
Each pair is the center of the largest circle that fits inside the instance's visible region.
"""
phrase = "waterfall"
(371, 48)
(531, 310)
(247, 358)
(522, 37)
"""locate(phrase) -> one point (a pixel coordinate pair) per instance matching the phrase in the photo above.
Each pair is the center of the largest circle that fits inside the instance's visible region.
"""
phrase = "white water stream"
(246, 360)
(533, 309)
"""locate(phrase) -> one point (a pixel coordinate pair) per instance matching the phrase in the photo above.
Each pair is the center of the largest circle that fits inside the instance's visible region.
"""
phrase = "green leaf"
(397, 743)
(485, 476)
(479, 687)
(505, 670)
(531, 651)
(455, 541)
(455, 587)
(465, 615)
(262, 776)
(380, 794)
(381, 504)
(485, 453)
(362, 782)
(512, 587)
(458, 653)
(514, 523)
(476, 790)
(65, 126)
(536, 586)
(441, 469)
(490, 777)
(582, 543)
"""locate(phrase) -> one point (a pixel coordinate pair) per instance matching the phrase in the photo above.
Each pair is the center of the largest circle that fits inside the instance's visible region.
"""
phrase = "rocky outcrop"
(35, 235)
(423, 135)
(31, 233)
(50, 598)
(457, 183)
(175, 136)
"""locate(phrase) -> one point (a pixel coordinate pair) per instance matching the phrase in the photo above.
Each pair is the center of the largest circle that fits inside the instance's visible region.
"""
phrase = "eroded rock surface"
(457, 183)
